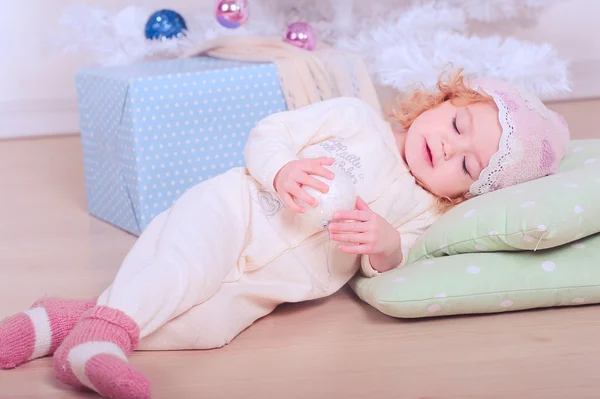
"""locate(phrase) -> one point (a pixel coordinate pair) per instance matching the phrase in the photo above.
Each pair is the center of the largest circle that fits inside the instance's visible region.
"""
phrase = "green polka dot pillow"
(532, 245)
(540, 214)
(488, 282)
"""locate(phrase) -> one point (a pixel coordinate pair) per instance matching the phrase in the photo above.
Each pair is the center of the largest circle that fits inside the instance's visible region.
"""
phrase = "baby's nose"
(447, 148)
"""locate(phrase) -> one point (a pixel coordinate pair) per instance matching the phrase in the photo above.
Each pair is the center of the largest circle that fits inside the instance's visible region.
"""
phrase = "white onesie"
(228, 252)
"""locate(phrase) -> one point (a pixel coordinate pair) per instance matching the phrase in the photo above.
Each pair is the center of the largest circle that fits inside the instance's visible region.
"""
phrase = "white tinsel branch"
(112, 39)
(413, 27)
(535, 67)
(119, 38)
(408, 51)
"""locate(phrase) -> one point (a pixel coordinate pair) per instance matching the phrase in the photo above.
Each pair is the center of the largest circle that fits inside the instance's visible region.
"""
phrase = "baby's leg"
(238, 304)
(216, 322)
(197, 245)
(39, 331)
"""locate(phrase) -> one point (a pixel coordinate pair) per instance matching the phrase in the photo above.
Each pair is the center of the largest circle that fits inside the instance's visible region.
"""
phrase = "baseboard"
(35, 118)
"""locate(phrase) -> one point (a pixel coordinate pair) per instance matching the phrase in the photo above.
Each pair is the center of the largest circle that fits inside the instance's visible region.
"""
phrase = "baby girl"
(233, 248)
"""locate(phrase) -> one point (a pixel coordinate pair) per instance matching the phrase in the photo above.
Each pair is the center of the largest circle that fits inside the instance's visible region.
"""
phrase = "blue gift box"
(152, 130)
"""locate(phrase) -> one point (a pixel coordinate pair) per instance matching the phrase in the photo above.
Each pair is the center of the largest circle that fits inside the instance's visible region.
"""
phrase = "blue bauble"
(165, 24)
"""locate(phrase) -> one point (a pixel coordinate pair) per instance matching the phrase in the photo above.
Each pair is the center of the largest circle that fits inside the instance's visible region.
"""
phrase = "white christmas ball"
(340, 197)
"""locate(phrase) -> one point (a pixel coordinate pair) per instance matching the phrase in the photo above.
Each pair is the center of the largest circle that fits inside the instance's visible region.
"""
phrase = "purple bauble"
(232, 13)
(302, 35)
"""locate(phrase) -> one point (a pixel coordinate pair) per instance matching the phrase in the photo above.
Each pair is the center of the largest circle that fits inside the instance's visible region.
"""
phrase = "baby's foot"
(94, 355)
(38, 331)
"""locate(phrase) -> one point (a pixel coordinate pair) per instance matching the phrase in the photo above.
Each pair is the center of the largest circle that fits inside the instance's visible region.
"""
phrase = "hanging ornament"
(301, 35)
(165, 24)
(340, 197)
(232, 13)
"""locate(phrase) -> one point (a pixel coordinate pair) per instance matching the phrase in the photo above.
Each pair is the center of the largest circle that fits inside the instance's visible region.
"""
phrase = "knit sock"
(38, 331)
(94, 355)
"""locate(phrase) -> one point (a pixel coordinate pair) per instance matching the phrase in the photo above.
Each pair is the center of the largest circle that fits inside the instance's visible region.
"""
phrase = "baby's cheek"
(441, 181)
(458, 182)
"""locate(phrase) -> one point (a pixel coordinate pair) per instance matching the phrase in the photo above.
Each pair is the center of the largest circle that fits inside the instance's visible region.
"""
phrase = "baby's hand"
(290, 179)
(366, 232)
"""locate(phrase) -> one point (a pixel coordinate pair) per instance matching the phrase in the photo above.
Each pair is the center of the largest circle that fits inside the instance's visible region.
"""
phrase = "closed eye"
(464, 163)
(464, 166)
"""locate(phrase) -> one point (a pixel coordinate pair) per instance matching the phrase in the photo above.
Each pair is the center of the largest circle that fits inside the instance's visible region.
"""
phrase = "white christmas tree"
(403, 42)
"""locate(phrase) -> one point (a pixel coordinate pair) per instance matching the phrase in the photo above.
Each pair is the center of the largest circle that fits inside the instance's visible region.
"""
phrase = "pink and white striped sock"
(94, 355)
(38, 331)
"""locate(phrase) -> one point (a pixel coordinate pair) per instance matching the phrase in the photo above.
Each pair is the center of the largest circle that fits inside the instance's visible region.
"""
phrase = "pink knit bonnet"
(533, 142)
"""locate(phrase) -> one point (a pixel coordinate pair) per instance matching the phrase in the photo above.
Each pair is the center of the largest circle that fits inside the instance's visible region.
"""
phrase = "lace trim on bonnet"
(490, 176)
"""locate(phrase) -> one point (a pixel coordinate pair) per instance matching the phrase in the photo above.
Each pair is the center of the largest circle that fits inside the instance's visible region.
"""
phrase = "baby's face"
(447, 147)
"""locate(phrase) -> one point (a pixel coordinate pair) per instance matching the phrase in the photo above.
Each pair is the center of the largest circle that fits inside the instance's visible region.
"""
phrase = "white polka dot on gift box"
(126, 145)
(218, 119)
(109, 155)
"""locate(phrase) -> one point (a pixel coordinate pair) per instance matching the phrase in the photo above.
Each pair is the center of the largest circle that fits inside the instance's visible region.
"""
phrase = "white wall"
(37, 95)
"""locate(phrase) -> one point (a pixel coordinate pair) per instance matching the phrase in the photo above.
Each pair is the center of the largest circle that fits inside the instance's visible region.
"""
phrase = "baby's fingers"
(325, 161)
(360, 249)
(361, 216)
(359, 238)
(310, 181)
(302, 195)
(315, 167)
(291, 204)
(323, 172)
(348, 227)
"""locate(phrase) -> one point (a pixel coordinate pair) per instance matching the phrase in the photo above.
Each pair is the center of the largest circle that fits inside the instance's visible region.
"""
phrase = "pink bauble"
(232, 13)
(302, 35)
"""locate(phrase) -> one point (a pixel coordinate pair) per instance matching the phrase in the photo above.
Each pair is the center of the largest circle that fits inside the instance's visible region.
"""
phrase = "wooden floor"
(335, 348)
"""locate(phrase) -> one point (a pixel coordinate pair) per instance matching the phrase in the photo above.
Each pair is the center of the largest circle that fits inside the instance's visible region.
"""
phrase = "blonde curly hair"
(451, 87)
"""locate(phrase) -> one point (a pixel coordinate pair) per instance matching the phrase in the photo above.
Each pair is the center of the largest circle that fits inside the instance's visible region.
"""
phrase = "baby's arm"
(277, 139)
(409, 233)
(365, 233)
